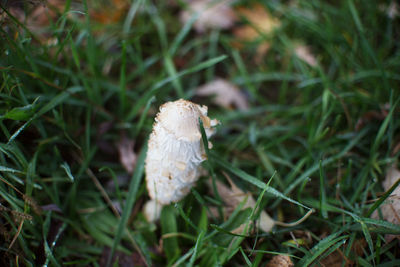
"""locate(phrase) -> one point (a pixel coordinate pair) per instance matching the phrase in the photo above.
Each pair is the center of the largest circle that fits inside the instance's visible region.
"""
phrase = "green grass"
(66, 199)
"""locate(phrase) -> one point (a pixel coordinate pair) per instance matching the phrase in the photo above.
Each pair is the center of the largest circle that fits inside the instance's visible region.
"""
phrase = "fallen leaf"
(280, 261)
(337, 258)
(372, 115)
(226, 94)
(391, 207)
(393, 10)
(396, 149)
(15, 9)
(42, 15)
(45, 14)
(260, 23)
(212, 14)
(112, 13)
(127, 155)
(233, 196)
(358, 247)
(304, 53)
(121, 259)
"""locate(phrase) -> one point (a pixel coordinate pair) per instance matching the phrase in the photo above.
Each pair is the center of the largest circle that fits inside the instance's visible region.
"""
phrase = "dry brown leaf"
(260, 23)
(121, 259)
(334, 259)
(396, 148)
(304, 53)
(280, 261)
(111, 14)
(391, 10)
(41, 15)
(16, 11)
(226, 94)
(358, 247)
(233, 196)
(372, 115)
(391, 208)
(47, 13)
(127, 155)
(337, 258)
(212, 14)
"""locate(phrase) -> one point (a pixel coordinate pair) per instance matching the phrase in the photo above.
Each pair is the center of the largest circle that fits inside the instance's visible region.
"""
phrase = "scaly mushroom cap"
(181, 118)
(176, 150)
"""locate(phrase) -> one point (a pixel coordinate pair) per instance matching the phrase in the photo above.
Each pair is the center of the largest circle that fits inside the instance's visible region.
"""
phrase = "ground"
(307, 95)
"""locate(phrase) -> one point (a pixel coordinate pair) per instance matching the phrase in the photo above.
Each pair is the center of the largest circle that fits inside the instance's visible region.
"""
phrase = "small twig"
(294, 239)
(34, 76)
(311, 211)
(344, 106)
(395, 213)
(102, 191)
(109, 202)
(16, 234)
(13, 187)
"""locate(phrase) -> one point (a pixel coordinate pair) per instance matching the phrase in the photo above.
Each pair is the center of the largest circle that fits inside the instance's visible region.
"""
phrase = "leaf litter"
(232, 196)
(259, 25)
(390, 209)
(225, 93)
(212, 14)
(127, 155)
(280, 261)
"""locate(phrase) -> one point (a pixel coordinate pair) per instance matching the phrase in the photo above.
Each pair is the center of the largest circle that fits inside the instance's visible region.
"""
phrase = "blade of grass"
(197, 248)
(320, 248)
(382, 198)
(133, 188)
(210, 167)
(246, 259)
(185, 217)
(169, 225)
(131, 15)
(368, 237)
(203, 65)
(122, 80)
(251, 179)
(322, 196)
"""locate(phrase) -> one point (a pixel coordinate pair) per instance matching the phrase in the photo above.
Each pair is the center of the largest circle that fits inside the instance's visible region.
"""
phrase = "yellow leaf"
(259, 24)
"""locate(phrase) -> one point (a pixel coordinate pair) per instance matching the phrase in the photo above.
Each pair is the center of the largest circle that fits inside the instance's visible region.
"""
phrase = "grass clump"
(318, 134)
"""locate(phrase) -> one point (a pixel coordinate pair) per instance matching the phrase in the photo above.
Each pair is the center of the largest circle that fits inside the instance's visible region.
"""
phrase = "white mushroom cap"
(176, 150)
(181, 119)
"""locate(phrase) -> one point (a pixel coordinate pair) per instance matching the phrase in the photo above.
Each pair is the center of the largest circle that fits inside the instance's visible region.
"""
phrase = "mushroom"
(175, 152)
